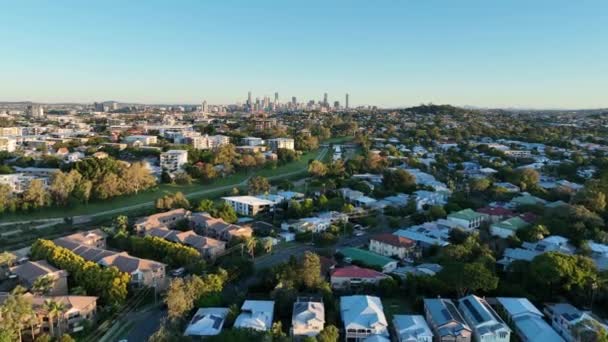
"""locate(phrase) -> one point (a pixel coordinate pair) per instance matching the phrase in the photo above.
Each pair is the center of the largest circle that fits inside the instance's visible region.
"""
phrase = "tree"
(226, 212)
(250, 244)
(267, 245)
(555, 271)
(121, 223)
(399, 180)
(205, 205)
(592, 198)
(533, 233)
(527, 178)
(329, 334)
(258, 185)
(54, 310)
(178, 301)
(15, 312)
(317, 169)
(479, 184)
(43, 285)
(36, 196)
(463, 278)
(311, 270)
(7, 259)
(6, 198)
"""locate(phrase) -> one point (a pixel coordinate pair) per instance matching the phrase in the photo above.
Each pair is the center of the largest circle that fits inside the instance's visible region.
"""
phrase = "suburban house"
(256, 315)
(426, 198)
(309, 224)
(205, 224)
(308, 318)
(412, 328)
(368, 258)
(173, 160)
(208, 248)
(92, 238)
(167, 219)
(572, 324)
(78, 309)
(496, 214)
(391, 245)
(445, 321)
(207, 322)
(280, 143)
(526, 320)
(143, 272)
(28, 272)
(248, 205)
(508, 227)
(352, 276)
(485, 322)
(363, 317)
(468, 219)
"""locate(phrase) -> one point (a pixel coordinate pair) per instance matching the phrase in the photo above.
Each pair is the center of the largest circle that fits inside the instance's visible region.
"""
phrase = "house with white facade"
(526, 320)
(485, 322)
(468, 219)
(207, 322)
(248, 205)
(446, 321)
(256, 315)
(308, 318)
(572, 324)
(412, 328)
(363, 317)
(173, 160)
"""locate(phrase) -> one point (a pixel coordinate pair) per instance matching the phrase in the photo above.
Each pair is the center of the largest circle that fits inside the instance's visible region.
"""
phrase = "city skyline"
(546, 54)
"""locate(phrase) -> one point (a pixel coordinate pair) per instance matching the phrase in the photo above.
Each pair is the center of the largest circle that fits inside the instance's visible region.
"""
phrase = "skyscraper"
(276, 99)
(205, 107)
(346, 104)
(294, 103)
(325, 103)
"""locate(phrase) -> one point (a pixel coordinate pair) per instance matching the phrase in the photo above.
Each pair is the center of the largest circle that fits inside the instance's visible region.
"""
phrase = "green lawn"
(146, 198)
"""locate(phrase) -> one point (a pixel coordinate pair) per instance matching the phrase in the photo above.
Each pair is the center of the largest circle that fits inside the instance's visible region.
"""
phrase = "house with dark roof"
(209, 248)
(446, 321)
(485, 322)
(30, 271)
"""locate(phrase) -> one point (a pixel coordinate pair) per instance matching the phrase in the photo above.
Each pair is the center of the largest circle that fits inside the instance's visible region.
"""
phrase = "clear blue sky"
(525, 53)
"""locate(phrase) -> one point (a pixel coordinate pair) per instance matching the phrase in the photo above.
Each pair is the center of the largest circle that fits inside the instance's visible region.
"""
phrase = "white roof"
(598, 248)
(256, 314)
(363, 312)
(249, 200)
(207, 322)
(304, 312)
(411, 326)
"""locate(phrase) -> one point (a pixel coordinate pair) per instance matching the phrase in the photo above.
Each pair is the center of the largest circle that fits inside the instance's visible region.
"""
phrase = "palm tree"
(54, 309)
(43, 285)
(267, 245)
(250, 244)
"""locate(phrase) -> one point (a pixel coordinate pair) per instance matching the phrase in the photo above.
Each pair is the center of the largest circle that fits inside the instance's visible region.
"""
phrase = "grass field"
(146, 198)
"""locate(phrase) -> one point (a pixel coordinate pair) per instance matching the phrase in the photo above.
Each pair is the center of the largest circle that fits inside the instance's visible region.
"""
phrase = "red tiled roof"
(356, 272)
(393, 240)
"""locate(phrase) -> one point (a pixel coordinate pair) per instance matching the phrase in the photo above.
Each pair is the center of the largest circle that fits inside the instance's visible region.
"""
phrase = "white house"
(486, 324)
(256, 315)
(308, 318)
(412, 328)
(526, 320)
(207, 322)
(248, 205)
(572, 324)
(468, 219)
(281, 143)
(173, 160)
(363, 317)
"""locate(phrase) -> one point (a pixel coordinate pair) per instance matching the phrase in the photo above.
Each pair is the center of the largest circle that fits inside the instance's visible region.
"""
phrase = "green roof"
(466, 214)
(366, 257)
(528, 200)
(514, 223)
